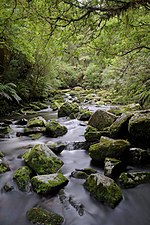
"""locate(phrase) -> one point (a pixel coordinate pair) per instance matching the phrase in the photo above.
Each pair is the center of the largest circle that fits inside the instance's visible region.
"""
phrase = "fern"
(8, 91)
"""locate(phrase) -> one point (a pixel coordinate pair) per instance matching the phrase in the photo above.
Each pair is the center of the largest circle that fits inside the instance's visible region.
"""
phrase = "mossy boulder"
(68, 108)
(1, 154)
(101, 119)
(36, 122)
(138, 156)
(56, 147)
(4, 130)
(43, 217)
(113, 167)
(104, 189)
(34, 130)
(129, 180)
(54, 129)
(49, 184)
(92, 134)
(3, 167)
(108, 147)
(42, 160)
(84, 115)
(119, 129)
(82, 173)
(22, 178)
(139, 129)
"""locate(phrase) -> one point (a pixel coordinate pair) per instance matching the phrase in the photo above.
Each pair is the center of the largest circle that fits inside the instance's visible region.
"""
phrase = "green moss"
(22, 178)
(44, 217)
(36, 122)
(54, 129)
(48, 184)
(103, 189)
(109, 148)
(41, 161)
(5, 130)
(3, 167)
(1, 154)
(67, 108)
(91, 134)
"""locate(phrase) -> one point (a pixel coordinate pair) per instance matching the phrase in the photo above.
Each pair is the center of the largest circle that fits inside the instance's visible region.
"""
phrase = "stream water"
(75, 204)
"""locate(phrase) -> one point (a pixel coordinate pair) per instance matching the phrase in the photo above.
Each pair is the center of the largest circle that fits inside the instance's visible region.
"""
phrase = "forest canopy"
(62, 43)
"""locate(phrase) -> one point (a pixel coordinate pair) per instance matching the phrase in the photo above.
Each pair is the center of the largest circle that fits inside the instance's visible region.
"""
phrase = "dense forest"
(59, 44)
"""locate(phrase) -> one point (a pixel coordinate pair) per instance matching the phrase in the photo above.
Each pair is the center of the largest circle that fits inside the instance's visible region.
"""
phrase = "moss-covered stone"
(119, 129)
(104, 189)
(5, 130)
(129, 180)
(82, 173)
(92, 134)
(44, 217)
(56, 147)
(138, 156)
(113, 167)
(48, 184)
(34, 130)
(108, 147)
(139, 129)
(54, 129)
(22, 178)
(101, 119)
(36, 122)
(42, 160)
(3, 167)
(67, 108)
(1, 154)
(84, 115)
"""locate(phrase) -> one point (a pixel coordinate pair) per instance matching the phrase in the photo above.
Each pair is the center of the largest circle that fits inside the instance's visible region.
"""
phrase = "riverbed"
(74, 203)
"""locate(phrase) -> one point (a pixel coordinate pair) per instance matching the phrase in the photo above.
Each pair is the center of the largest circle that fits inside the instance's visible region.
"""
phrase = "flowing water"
(74, 203)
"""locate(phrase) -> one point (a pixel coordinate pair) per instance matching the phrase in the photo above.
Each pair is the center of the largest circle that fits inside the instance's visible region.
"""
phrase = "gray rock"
(101, 119)
(104, 189)
(113, 167)
(49, 184)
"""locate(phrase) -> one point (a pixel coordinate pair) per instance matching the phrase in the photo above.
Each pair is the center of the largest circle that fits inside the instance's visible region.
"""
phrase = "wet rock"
(104, 189)
(139, 129)
(22, 122)
(101, 119)
(49, 184)
(108, 147)
(67, 108)
(113, 167)
(92, 134)
(56, 147)
(82, 173)
(1, 154)
(138, 156)
(84, 115)
(54, 129)
(36, 122)
(44, 217)
(119, 129)
(8, 187)
(42, 160)
(3, 167)
(33, 130)
(22, 178)
(4, 130)
(129, 180)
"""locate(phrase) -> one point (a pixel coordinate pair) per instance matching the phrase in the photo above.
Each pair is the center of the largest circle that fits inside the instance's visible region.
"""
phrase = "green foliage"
(8, 91)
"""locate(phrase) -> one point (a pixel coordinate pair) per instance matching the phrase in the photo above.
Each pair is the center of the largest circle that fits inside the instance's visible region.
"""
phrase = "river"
(75, 204)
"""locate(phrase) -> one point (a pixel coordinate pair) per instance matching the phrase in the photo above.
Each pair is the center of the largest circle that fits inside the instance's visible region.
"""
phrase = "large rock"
(108, 147)
(48, 184)
(44, 217)
(101, 119)
(104, 189)
(36, 122)
(119, 129)
(139, 129)
(42, 160)
(113, 167)
(68, 108)
(22, 178)
(3, 167)
(129, 180)
(138, 156)
(92, 134)
(84, 115)
(54, 129)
